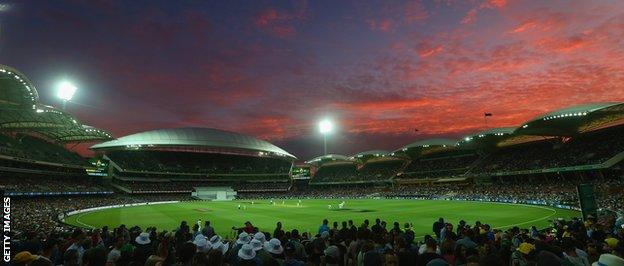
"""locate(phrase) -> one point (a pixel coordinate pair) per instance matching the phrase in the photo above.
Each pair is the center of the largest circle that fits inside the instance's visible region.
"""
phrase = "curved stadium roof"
(486, 137)
(21, 111)
(575, 119)
(192, 137)
(371, 152)
(17, 90)
(328, 157)
(430, 142)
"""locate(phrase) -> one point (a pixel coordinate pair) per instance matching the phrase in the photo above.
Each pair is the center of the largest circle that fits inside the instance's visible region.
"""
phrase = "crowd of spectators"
(193, 162)
(590, 149)
(29, 147)
(40, 214)
(339, 243)
(439, 166)
(177, 186)
(609, 192)
(321, 192)
(335, 173)
(349, 172)
(380, 170)
(16, 182)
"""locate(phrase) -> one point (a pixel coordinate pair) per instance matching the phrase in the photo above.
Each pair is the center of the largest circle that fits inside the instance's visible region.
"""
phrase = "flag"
(487, 114)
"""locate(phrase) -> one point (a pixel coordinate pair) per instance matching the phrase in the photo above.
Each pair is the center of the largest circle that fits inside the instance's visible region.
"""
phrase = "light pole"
(66, 91)
(325, 127)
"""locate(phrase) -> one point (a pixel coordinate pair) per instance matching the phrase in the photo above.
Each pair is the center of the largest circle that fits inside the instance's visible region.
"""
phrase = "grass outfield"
(307, 217)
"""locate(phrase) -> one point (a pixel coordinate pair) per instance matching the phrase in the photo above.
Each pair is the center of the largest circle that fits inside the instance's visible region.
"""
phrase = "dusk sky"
(379, 69)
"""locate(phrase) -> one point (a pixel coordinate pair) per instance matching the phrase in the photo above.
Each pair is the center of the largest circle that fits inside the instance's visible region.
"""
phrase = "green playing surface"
(308, 216)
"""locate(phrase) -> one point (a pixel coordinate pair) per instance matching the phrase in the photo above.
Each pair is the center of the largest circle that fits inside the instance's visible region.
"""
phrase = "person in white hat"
(144, 245)
(275, 249)
(261, 237)
(332, 255)
(247, 256)
(261, 253)
(609, 260)
(143, 239)
(243, 238)
(217, 243)
(256, 245)
(202, 243)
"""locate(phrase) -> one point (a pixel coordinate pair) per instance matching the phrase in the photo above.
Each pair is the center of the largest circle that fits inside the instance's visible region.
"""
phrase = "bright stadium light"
(66, 91)
(325, 127)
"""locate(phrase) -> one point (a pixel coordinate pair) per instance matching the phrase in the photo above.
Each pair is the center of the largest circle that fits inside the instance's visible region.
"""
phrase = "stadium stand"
(337, 172)
(589, 149)
(186, 186)
(448, 164)
(28, 147)
(381, 169)
(197, 163)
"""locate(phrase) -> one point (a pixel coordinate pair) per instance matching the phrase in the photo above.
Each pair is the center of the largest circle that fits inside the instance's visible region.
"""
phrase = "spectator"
(278, 232)
(431, 253)
(208, 230)
(115, 254)
(437, 227)
(247, 256)
(324, 227)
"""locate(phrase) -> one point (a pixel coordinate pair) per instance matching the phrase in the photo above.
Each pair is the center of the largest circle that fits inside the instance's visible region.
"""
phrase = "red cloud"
(471, 16)
(415, 12)
(564, 45)
(383, 25)
(281, 23)
(528, 25)
(497, 3)
(429, 51)
(540, 21)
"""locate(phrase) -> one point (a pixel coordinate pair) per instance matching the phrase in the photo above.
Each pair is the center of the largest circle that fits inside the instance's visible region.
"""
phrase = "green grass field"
(307, 217)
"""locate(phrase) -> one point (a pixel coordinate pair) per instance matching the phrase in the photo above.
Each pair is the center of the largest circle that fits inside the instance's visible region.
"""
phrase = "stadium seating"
(28, 147)
(349, 173)
(380, 170)
(197, 163)
(590, 149)
(440, 165)
(28, 183)
(336, 173)
(186, 186)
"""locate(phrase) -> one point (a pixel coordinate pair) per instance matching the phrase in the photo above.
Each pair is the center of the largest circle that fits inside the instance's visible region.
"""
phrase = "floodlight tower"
(325, 127)
(66, 91)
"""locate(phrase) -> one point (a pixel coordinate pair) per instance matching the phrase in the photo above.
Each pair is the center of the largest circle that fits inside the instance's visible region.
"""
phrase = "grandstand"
(33, 137)
(177, 160)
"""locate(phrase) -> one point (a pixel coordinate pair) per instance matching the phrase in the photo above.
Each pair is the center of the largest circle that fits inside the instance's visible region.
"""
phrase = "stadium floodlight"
(66, 91)
(325, 127)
